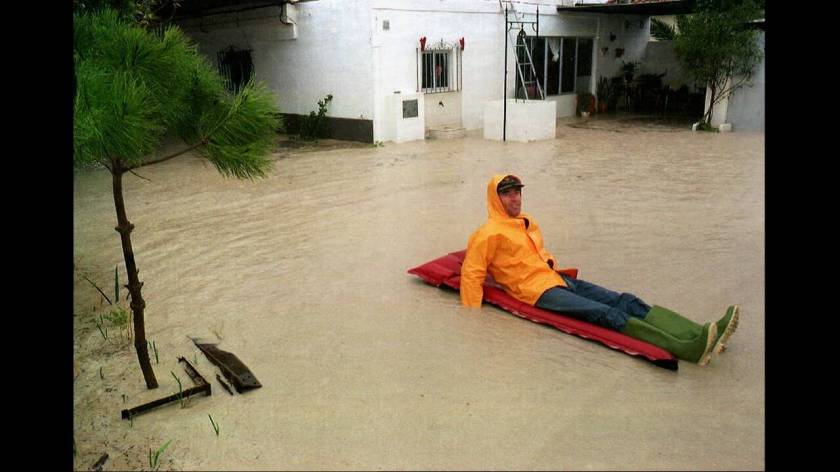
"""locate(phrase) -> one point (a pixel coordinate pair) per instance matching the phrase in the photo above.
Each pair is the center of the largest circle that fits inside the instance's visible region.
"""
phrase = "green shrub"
(703, 126)
(315, 125)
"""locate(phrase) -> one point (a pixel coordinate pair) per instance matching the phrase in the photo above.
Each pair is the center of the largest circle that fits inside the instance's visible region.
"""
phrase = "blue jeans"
(593, 303)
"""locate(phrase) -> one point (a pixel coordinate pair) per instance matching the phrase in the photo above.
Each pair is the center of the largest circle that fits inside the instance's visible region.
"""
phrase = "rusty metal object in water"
(97, 466)
(224, 385)
(233, 369)
(203, 386)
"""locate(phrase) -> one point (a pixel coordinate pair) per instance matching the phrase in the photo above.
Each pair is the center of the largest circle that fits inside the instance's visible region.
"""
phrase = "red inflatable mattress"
(446, 271)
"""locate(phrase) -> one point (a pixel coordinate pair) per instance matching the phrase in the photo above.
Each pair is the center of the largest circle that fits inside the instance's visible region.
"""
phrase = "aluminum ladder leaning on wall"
(526, 72)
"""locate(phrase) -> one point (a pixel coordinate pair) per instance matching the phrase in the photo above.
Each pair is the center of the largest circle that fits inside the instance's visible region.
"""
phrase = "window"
(439, 69)
(583, 77)
(552, 86)
(235, 67)
(536, 47)
(567, 65)
(563, 65)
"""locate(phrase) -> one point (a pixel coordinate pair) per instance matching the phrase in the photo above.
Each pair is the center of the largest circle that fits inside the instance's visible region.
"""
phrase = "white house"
(398, 69)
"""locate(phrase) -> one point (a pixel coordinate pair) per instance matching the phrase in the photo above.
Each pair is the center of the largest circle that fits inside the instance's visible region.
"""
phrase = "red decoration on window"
(423, 43)
(462, 43)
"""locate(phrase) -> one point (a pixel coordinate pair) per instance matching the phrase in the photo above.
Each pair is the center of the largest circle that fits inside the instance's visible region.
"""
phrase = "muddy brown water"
(302, 276)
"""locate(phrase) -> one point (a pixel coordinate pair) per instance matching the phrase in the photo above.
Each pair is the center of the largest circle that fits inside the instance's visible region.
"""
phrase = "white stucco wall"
(330, 55)
(443, 109)
(530, 120)
(628, 35)
(747, 104)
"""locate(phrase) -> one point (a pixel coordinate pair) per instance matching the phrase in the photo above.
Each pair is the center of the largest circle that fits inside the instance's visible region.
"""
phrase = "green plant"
(603, 90)
(377, 144)
(154, 349)
(180, 389)
(617, 85)
(154, 459)
(215, 425)
(314, 126)
(103, 332)
(628, 70)
(704, 126)
(119, 318)
(661, 30)
(585, 102)
(97, 288)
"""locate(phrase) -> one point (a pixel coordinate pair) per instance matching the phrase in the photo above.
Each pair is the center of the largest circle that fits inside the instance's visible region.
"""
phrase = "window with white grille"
(439, 69)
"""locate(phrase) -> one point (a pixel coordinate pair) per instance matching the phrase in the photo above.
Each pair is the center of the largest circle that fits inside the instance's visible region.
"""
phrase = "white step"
(447, 132)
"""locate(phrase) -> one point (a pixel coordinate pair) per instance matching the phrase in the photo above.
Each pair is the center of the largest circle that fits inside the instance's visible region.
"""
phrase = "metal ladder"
(527, 76)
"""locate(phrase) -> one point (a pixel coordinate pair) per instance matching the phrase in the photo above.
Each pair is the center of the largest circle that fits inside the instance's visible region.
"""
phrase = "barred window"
(439, 70)
(435, 71)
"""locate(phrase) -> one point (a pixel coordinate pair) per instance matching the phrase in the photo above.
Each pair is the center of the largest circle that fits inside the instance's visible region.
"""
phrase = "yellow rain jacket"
(511, 249)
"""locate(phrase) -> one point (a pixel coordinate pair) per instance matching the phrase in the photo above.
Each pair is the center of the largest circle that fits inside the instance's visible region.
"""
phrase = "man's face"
(512, 201)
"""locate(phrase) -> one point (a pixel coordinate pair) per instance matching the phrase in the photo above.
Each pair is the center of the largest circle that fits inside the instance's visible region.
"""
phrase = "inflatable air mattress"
(446, 271)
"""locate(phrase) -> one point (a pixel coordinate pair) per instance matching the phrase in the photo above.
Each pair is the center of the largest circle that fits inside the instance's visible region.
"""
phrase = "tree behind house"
(716, 47)
(661, 30)
(133, 89)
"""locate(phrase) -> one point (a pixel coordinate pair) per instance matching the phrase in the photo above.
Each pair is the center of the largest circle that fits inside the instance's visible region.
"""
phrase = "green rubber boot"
(684, 328)
(725, 327)
(673, 323)
(698, 349)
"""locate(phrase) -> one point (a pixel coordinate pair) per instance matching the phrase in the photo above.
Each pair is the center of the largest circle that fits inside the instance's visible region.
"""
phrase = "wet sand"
(302, 276)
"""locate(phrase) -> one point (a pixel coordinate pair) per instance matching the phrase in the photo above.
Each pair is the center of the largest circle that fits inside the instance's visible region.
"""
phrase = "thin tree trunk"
(134, 285)
(708, 117)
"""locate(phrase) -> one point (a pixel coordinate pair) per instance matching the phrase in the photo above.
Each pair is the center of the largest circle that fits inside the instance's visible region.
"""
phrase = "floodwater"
(302, 275)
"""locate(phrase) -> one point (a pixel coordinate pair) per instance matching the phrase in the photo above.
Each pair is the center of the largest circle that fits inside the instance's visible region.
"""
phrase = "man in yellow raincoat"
(509, 246)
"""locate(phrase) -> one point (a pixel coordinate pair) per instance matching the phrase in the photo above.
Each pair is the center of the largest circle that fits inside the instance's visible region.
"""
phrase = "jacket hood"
(495, 209)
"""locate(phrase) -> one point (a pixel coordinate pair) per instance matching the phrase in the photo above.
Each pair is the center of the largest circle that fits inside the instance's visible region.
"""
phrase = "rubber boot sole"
(720, 346)
(710, 344)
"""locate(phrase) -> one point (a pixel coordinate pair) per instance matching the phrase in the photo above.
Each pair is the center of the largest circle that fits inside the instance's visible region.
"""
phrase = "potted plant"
(617, 87)
(628, 70)
(603, 90)
(585, 104)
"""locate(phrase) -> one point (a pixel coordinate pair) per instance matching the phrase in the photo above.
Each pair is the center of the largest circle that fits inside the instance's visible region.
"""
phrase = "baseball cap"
(509, 182)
